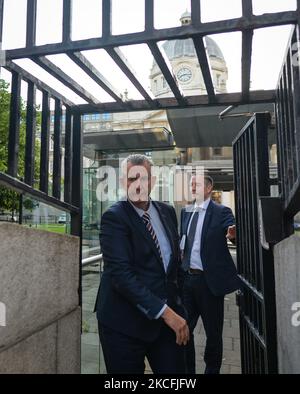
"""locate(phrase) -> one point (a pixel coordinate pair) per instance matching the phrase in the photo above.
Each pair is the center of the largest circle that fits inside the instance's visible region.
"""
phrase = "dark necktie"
(146, 220)
(189, 242)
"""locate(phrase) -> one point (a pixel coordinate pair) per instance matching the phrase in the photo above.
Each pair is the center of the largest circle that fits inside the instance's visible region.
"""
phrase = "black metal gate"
(255, 263)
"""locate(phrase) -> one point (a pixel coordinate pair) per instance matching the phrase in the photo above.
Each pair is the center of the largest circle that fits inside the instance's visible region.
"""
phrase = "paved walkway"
(231, 340)
(92, 359)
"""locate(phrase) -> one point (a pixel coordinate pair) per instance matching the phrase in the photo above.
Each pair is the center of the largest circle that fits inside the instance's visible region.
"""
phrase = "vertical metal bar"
(1, 19)
(254, 217)
(242, 230)
(45, 136)
(67, 20)
(285, 136)
(106, 18)
(1, 30)
(247, 8)
(240, 262)
(288, 128)
(268, 277)
(196, 12)
(291, 129)
(259, 361)
(31, 23)
(243, 341)
(296, 95)
(247, 41)
(247, 145)
(76, 219)
(149, 15)
(251, 353)
(279, 140)
(282, 150)
(14, 125)
(247, 352)
(293, 109)
(57, 150)
(243, 211)
(30, 135)
(68, 155)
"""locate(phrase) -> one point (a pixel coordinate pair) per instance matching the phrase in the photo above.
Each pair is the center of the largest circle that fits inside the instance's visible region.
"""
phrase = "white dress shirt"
(160, 232)
(195, 261)
(162, 238)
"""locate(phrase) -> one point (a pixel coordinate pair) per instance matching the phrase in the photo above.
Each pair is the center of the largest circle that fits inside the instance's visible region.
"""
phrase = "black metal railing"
(255, 264)
(288, 128)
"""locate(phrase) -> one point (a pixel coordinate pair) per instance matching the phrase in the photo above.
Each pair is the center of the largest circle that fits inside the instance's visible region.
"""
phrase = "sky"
(128, 16)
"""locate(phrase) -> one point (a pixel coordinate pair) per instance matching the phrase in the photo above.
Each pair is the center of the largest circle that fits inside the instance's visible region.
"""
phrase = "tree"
(9, 200)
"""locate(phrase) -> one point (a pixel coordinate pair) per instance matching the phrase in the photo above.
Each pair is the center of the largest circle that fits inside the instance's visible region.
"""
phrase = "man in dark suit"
(210, 272)
(138, 307)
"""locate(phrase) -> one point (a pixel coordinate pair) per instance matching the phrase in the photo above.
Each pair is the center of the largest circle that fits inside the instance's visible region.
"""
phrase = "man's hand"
(231, 233)
(178, 325)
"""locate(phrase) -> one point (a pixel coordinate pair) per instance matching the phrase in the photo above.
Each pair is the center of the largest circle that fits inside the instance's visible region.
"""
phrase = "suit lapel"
(186, 219)
(206, 223)
(165, 221)
(166, 224)
(137, 222)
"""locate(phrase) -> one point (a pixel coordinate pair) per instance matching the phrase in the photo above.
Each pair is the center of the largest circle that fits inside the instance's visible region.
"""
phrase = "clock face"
(184, 74)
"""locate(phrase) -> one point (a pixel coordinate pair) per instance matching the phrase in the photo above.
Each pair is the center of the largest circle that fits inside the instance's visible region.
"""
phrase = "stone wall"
(39, 279)
(287, 278)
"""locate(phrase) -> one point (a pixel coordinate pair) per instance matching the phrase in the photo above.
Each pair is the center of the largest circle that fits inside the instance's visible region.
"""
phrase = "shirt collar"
(203, 205)
(140, 211)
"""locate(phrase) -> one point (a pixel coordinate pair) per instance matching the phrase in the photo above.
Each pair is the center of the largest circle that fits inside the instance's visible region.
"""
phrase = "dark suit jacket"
(134, 285)
(220, 272)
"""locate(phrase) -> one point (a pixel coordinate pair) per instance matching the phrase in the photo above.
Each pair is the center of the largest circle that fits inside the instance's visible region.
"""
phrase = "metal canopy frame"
(112, 44)
(71, 199)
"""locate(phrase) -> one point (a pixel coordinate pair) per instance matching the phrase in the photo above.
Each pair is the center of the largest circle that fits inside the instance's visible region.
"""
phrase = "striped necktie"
(146, 220)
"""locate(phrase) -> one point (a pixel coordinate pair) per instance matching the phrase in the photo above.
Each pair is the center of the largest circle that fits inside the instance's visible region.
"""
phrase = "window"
(217, 151)
(96, 117)
(86, 117)
(106, 116)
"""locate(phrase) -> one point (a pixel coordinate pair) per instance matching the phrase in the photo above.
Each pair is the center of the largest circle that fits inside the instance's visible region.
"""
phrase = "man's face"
(138, 182)
(199, 188)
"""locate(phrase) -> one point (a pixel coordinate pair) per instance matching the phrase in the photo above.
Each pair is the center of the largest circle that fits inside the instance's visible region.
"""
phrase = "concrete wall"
(287, 277)
(39, 278)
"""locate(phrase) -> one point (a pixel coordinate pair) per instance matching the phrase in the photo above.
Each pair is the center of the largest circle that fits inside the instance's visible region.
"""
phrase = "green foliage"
(9, 200)
(30, 204)
(4, 122)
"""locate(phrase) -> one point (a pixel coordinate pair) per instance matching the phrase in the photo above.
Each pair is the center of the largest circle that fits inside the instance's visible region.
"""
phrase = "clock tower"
(184, 61)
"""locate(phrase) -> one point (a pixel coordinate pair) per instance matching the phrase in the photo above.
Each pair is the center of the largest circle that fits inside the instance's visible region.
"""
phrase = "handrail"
(91, 260)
